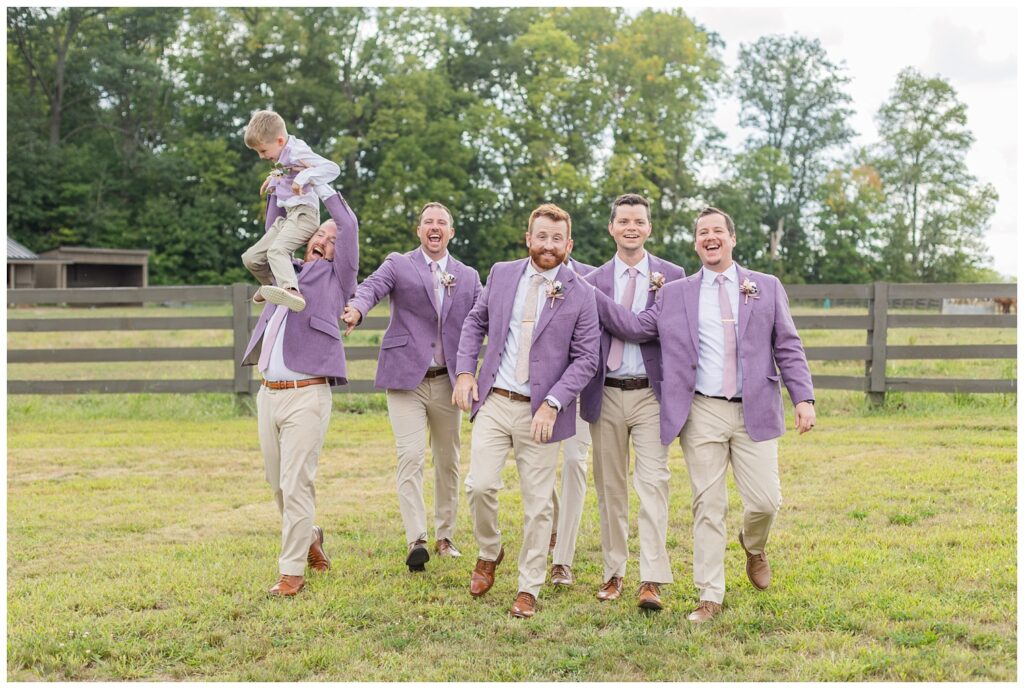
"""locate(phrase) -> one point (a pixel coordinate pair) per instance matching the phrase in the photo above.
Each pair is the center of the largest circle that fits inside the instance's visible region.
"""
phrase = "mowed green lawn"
(142, 538)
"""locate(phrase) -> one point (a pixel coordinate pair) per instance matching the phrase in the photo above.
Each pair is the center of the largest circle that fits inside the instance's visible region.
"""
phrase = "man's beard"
(547, 261)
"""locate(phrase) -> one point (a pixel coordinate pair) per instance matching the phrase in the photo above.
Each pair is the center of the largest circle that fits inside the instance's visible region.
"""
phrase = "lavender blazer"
(768, 345)
(312, 340)
(603, 279)
(563, 356)
(407, 346)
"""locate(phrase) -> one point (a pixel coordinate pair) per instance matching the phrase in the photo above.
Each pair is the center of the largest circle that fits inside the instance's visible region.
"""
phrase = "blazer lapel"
(653, 266)
(506, 294)
(423, 270)
(551, 306)
(455, 269)
(691, 299)
(744, 317)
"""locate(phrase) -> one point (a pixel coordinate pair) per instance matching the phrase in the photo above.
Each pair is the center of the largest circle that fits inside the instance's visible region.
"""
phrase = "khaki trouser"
(412, 413)
(625, 415)
(568, 511)
(270, 258)
(714, 435)
(502, 425)
(292, 425)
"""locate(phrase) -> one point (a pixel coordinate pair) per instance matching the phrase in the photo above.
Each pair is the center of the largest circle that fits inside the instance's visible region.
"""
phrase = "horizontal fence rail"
(876, 324)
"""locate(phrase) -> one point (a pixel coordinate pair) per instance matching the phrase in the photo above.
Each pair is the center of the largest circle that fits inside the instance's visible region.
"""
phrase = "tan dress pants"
(270, 258)
(715, 435)
(412, 413)
(502, 425)
(568, 511)
(632, 415)
(292, 426)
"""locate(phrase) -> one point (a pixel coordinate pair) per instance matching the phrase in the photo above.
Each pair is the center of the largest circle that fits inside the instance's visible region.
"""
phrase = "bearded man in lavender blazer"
(301, 356)
(622, 403)
(541, 327)
(431, 293)
(727, 338)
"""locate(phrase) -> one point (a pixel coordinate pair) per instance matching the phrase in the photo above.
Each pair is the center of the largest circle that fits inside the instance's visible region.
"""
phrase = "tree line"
(125, 130)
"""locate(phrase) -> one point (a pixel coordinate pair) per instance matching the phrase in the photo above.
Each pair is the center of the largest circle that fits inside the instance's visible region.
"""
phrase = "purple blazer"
(312, 340)
(603, 279)
(563, 356)
(768, 345)
(407, 346)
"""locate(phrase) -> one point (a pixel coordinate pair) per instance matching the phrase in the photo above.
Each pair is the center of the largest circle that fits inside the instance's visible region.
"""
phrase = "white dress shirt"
(442, 267)
(632, 358)
(319, 174)
(711, 336)
(506, 377)
(276, 370)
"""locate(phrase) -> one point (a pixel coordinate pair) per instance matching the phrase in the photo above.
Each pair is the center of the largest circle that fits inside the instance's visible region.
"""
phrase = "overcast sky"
(975, 49)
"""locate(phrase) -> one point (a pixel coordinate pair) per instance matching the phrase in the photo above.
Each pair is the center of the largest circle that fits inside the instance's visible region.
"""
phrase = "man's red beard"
(545, 260)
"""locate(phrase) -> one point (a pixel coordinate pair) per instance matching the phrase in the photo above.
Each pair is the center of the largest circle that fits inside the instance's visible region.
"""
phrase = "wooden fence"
(875, 352)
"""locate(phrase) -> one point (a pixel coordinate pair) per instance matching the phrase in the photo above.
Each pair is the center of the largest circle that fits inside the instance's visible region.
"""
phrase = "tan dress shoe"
(561, 575)
(524, 606)
(704, 611)
(611, 589)
(648, 596)
(482, 578)
(758, 571)
(317, 559)
(287, 585)
(445, 548)
(418, 556)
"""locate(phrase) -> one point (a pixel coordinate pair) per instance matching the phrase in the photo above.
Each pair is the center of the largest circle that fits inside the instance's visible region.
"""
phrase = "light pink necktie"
(729, 326)
(526, 330)
(618, 346)
(270, 336)
(438, 343)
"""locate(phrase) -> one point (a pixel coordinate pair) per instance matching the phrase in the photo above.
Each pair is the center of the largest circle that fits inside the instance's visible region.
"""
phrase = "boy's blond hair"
(264, 127)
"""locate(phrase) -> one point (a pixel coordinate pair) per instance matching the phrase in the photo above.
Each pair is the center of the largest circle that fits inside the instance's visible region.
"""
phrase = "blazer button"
(693, 366)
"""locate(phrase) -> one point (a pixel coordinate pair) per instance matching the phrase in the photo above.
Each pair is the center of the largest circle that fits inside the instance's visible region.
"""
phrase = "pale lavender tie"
(618, 346)
(529, 319)
(729, 326)
(271, 336)
(438, 343)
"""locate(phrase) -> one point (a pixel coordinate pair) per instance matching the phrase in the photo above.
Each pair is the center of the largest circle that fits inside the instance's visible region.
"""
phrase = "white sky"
(975, 49)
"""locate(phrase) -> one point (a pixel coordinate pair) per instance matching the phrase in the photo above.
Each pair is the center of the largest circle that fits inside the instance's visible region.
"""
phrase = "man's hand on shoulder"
(805, 417)
(351, 317)
(465, 388)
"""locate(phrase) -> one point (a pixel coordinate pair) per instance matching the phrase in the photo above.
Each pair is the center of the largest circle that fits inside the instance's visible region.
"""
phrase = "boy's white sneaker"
(285, 297)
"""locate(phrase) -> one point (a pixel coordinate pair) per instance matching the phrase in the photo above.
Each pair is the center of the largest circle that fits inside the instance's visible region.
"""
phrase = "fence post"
(240, 328)
(877, 338)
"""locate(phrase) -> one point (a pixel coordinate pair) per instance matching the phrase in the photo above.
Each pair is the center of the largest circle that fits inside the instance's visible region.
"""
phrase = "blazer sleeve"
(474, 328)
(584, 353)
(623, 323)
(788, 350)
(346, 244)
(374, 288)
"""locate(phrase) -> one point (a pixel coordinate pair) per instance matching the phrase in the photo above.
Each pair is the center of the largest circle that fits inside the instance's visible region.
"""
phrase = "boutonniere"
(657, 282)
(749, 289)
(556, 290)
(447, 281)
(279, 170)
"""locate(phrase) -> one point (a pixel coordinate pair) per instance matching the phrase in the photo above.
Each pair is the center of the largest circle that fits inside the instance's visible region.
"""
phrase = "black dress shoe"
(418, 556)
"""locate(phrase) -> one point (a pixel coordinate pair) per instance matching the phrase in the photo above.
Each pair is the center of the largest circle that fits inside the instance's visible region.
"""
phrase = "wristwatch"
(810, 402)
(551, 404)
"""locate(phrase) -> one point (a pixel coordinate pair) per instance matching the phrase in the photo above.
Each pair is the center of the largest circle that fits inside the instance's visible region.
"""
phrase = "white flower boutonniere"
(657, 282)
(556, 290)
(749, 289)
(447, 281)
(279, 170)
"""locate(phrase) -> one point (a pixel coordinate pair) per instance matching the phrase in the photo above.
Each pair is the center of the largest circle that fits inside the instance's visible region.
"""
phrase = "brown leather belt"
(719, 397)
(286, 384)
(627, 383)
(514, 396)
(435, 372)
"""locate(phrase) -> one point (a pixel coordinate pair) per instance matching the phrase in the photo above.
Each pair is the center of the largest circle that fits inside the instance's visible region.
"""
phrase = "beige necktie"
(526, 331)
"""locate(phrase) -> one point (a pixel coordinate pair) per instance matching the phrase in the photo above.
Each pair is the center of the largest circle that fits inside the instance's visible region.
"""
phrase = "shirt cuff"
(558, 405)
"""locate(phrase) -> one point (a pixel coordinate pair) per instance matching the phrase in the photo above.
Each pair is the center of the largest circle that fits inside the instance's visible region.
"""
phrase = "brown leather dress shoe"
(648, 596)
(524, 606)
(418, 556)
(445, 548)
(561, 575)
(482, 578)
(287, 585)
(317, 559)
(704, 611)
(553, 542)
(758, 571)
(611, 589)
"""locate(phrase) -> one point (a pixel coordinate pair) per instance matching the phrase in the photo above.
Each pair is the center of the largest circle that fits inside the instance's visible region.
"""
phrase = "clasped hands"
(351, 317)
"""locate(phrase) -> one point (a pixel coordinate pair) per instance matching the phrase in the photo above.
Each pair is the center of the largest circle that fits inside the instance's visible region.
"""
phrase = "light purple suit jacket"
(407, 346)
(563, 355)
(768, 344)
(603, 279)
(312, 339)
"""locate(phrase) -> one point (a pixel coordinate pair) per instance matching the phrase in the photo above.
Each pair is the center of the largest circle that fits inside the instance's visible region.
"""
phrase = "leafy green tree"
(849, 222)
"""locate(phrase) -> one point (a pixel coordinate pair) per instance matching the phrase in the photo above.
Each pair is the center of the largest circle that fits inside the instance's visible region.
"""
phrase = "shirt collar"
(708, 276)
(642, 268)
(548, 275)
(442, 262)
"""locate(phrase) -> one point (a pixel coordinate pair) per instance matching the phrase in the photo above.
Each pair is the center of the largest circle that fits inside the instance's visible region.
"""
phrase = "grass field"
(141, 538)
